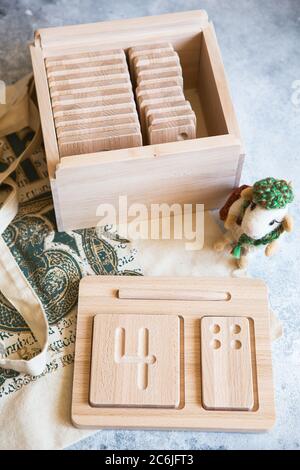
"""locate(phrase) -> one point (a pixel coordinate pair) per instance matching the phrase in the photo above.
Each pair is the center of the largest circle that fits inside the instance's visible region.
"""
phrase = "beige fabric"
(20, 112)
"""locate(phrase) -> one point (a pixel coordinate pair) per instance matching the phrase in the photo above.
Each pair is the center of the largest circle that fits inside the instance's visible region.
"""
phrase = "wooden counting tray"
(173, 353)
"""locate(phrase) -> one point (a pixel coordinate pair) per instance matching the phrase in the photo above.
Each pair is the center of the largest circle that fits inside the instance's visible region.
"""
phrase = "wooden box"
(173, 353)
(202, 170)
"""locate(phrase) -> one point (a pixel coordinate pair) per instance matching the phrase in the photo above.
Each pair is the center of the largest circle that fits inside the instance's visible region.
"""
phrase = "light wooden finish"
(102, 124)
(174, 94)
(226, 363)
(105, 139)
(162, 78)
(108, 109)
(103, 180)
(74, 88)
(91, 106)
(155, 67)
(172, 131)
(83, 57)
(135, 361)
(65, 70)
(166, 130)
(162, 72)
(45, 109)
(155, 59)
(169, 294)
(103, 73)
(210, 170)
(157, 86)
(169, 108)
(83, 137)
(97, 96)
(146, 48)
(100, 295)
(166, 116)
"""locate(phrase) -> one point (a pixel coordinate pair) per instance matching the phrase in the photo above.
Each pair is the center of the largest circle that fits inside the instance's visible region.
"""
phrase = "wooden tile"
(155, 79)
(150, 73)
(97, 68)
(112, 139)
(165, 116)
(91, 106)
(174, 91)
(242, 301)
(97, 95)
(159, 65)
(74, 88)
(88, 75)
(135, 361)
(160, 98)
(227, 382)
(145, 48)
(71, 67)
(100, 125)
(172, 131)
(156, 58)
(169, 106)
(105, 113)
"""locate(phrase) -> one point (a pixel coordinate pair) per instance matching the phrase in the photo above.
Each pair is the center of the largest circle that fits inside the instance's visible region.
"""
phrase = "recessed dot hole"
(235, 329)
(182, 136)
(215, 344)
(215, 329)
(236, 344)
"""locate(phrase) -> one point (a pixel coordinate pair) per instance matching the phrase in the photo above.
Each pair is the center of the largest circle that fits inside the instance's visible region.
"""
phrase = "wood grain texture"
(101, 140)
(83, 137)
(104, 179)
(226, 363)
(98, 295)
(169, 294)
(166, 130)
(170, 108)
(100, 124)
(135, 361)
(160, 77)
(45, 109)
(101, 112)
(172, 131)
(192, 37)
(174, 115)
(150, 73)
(146, 48)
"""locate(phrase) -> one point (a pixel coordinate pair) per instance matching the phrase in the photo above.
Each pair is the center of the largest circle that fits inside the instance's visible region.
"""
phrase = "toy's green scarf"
(246, 240)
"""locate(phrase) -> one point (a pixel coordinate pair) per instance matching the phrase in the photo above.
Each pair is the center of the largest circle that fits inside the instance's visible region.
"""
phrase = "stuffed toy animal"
(254, 217)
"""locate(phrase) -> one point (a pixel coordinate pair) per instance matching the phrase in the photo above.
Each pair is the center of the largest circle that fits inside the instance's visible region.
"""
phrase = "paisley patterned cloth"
(53, 263)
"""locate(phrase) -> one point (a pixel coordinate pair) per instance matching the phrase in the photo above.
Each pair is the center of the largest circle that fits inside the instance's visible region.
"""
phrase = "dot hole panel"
(226, 363)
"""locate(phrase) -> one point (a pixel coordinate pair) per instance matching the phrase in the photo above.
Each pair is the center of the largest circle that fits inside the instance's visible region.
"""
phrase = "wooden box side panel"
(213, 88)
(198, 174)
(45, 109)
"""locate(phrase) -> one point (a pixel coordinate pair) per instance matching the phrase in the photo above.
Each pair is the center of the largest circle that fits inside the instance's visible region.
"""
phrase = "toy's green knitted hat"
(271, 193)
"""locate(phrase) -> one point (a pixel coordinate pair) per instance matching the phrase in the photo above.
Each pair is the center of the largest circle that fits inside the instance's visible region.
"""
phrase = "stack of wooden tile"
(93, 103)
(165, 114)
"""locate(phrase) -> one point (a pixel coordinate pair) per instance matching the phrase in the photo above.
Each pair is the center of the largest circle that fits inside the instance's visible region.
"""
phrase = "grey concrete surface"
(260, 43)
